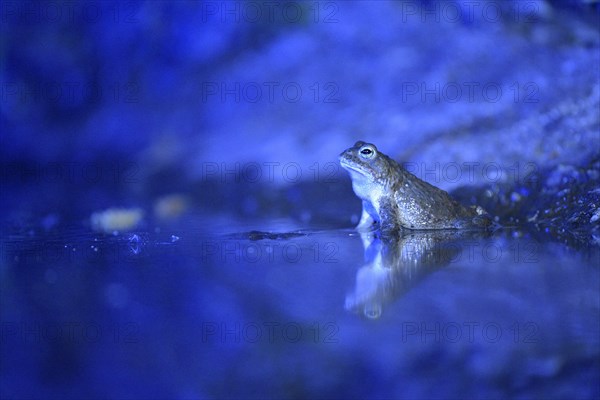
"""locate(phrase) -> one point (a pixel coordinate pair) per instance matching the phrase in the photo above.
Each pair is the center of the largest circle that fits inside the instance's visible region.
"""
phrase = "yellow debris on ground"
(116, 219)
(171, 206)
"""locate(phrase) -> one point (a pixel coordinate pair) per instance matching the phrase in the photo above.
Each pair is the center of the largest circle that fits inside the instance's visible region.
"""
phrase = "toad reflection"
(395, 263)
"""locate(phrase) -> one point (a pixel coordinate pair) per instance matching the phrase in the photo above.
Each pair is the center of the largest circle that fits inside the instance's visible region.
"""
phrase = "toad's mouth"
(350, 167)
(357, 175)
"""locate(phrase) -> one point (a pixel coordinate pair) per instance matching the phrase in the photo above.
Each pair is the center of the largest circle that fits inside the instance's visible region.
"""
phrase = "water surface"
(238, 311)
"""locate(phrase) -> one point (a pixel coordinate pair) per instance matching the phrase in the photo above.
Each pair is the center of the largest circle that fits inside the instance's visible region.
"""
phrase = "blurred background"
(138, 123)
(147, 98)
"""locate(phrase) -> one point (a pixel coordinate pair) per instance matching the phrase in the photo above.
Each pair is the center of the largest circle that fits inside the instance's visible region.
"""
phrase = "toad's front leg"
(368, 219)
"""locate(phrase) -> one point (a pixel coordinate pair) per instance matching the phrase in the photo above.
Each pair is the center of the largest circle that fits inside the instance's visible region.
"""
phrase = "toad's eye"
(367, 152)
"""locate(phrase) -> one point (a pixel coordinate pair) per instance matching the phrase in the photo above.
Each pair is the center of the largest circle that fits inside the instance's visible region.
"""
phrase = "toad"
(394, 199)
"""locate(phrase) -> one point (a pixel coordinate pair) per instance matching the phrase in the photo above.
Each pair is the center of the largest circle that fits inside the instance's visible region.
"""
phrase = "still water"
(232, 311)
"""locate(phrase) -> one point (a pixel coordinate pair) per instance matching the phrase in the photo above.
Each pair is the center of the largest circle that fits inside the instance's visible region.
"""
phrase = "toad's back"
(416, 204)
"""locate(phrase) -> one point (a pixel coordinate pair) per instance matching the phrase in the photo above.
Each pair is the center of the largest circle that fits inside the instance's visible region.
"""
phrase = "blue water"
(183, 312)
